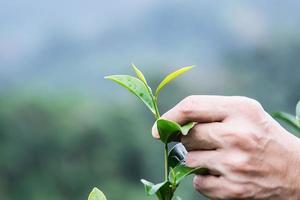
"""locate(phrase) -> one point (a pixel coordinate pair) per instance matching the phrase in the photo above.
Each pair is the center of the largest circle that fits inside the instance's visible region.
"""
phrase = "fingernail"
(154, 131)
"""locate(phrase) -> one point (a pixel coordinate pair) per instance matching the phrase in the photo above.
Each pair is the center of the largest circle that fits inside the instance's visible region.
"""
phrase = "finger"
(198, 108)
(206, 159)
(222, 188)
(204, 136)
(155, 131)
(210, 186)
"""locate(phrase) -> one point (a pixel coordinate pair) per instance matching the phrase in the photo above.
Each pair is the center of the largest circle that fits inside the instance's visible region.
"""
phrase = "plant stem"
(166, 145)
(156, 107)
(166, 163)
(166, 149)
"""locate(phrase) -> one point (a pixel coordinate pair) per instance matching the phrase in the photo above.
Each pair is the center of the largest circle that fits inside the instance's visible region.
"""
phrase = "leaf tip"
(133, 65)
(95, 189)
(187, 68)
(191, 66)
(135, 69)
(172, 76)
(96, 194)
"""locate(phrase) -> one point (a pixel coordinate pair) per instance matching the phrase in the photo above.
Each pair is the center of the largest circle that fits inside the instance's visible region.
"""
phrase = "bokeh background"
(64, 129)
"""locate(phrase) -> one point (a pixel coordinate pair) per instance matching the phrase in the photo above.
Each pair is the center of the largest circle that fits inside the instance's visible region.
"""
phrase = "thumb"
(155, 131)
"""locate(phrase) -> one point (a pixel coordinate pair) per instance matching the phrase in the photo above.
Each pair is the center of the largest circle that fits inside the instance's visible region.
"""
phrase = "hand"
(249, 155)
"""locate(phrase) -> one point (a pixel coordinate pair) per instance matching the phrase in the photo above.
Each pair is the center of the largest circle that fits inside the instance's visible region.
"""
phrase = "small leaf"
(181, 171)
(139, 74)
(170, 77)
(298, 112)
(165, 192)
(148, 187)
(96, 194)
(186, 128)
(287, 118)
(176, 155)
(162, 190)
(135, 86)
(169, 130)
(172, 177)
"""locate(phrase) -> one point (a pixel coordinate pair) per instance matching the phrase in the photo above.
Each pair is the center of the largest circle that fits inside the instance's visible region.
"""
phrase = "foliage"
(290, 120)
(96, 194)
(169, 131)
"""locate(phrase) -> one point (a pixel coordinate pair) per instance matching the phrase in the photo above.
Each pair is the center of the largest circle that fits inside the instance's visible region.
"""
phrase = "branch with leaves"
(169, 131)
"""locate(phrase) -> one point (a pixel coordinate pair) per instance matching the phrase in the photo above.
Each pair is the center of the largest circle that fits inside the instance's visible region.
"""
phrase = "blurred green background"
(64, 129)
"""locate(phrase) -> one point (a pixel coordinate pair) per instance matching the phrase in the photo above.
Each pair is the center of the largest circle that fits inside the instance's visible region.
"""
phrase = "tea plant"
(290, 120)
(169, 131)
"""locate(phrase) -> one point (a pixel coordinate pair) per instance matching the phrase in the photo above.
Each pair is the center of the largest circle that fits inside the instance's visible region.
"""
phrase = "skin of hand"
(249, 155)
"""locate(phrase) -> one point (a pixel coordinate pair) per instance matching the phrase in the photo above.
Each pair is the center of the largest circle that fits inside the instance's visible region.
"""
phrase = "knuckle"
(243, 139)
(232, 138)
(238, 162)
(254, 104)
(240, 140)
(186, 106)
(190, 161)
(246, 102)
(236, 192)
(190, 98)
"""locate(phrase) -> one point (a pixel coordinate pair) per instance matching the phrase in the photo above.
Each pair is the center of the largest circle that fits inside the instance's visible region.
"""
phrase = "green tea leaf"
(165, 192)
(151, 188)
(178, 173)
(96, 194)
(170, 77)
(136, 86)
(287, 118)
(148, 187)
(172, 177)
(162, 190)
(139, 74)
(298, 112)
(186, 128)
(170, 131)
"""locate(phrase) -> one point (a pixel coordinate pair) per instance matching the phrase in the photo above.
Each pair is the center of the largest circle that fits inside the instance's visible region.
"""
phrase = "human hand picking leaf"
(247, 153)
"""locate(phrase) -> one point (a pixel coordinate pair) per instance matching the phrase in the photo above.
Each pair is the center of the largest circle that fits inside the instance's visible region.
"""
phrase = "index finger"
(197, 108)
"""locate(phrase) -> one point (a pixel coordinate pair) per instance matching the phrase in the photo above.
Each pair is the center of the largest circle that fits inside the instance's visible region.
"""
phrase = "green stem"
(166, 149)
(156, 107)
(166, 163)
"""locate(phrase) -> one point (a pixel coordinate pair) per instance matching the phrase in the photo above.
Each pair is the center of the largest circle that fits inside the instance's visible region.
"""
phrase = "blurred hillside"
(64, 129)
